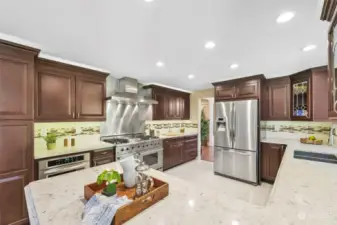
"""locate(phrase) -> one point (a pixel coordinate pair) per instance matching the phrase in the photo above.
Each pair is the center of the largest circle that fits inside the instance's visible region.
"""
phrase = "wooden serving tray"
(123, 214)
(307, 141)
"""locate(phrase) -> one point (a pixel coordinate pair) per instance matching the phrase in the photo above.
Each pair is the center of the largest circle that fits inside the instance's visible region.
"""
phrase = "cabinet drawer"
(101, 154)
(193, 144)
(101, 161)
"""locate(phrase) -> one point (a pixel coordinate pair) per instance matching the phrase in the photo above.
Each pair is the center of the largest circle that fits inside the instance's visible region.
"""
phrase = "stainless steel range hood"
(129, 91)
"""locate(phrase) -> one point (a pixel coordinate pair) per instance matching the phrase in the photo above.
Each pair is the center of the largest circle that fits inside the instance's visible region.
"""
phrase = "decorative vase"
(51, 146)
(109, 190)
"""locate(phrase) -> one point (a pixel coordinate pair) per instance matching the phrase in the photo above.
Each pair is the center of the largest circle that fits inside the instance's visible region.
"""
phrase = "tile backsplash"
(67, 128)
(171, 126)
(294, 129)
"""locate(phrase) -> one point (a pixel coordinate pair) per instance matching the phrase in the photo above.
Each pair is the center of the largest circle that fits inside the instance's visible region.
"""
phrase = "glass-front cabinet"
(301, 96)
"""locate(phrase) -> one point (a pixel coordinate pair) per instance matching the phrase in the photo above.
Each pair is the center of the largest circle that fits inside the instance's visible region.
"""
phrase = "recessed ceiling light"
(191, 76)
(148, 0)
(285, 17)
(209, 45)
(309, 48)
(160, 64)
(234, 66)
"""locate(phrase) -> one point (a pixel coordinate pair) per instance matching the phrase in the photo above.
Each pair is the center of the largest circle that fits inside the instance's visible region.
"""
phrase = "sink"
(314, 156)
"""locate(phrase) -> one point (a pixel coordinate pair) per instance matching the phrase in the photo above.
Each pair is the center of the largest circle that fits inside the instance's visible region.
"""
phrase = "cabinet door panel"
(55, 96)
(225, 92)
(16, 147)
(90, 99)
(16, 88)
(13, 205)
(279, 101)
(247, 89)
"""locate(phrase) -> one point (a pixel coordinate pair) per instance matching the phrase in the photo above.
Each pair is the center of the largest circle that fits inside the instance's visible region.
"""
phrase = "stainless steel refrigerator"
(236, 140)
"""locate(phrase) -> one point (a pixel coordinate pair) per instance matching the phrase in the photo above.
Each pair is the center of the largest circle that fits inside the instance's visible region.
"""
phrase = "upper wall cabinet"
(276, 102)
(243, 88)
(68, 93)
(309, 101)
(172, 104)
(16, 82)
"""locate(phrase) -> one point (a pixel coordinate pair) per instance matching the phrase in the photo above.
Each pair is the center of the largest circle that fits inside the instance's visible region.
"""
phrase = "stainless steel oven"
(153, 158)
(62, 165)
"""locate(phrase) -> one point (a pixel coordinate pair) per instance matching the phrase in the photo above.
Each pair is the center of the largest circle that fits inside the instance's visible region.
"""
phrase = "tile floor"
(201, 173)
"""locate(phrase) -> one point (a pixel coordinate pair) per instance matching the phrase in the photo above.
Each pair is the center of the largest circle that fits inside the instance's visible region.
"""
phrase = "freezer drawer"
(236, 164)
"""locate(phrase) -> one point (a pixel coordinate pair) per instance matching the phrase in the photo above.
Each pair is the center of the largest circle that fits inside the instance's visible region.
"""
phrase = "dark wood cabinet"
(271, 157)
(277, 99)
(247, 89)
(16, 129)
(179, 150)
(16, 82)
(16, 169)
(243, 88)
(68, 93)
(225, 92)
(90, 94)
(55, 95)
(13, 208)
(172, 104)
(308, 101)
(101, 157)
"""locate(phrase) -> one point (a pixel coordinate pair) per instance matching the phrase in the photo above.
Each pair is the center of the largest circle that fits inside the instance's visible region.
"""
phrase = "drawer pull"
(104, 153)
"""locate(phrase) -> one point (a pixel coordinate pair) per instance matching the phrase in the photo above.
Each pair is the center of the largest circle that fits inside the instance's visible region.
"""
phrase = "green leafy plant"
(50, 138)
(204, 128)
(112, 177)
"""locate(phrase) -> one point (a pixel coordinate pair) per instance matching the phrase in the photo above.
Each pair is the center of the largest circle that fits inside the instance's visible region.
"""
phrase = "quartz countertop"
(83, 143)
(303, 193)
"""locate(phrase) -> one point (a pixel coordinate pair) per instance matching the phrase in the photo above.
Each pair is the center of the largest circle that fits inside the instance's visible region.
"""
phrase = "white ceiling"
(128, 37)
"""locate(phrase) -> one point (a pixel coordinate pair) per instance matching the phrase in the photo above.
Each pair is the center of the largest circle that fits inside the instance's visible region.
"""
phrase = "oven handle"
(60, 169)
(152, 151)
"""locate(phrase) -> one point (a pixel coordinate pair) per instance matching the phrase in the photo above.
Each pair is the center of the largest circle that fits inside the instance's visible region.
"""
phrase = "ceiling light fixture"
(285, 17)
(209, 45)
(148, 0)
(160, 64)
(191, 76)
(234, 66)
(309, 48)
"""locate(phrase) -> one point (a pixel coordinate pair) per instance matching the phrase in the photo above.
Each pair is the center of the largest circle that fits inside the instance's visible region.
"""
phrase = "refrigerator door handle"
(233, 124)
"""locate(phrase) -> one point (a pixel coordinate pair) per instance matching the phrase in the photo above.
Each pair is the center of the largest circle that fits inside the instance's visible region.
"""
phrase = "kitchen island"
(304, 193)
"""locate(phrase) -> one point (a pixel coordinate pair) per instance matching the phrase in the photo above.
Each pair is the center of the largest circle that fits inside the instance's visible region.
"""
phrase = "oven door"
(62, 170)
(153, 158)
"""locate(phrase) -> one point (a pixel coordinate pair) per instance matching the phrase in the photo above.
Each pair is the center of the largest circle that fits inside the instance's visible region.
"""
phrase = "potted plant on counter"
(50, 140)
(112, 178)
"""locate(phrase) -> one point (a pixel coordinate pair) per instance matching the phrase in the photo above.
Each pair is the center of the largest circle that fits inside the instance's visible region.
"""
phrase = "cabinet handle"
(104, 153)
(78, 115)
(73, 115)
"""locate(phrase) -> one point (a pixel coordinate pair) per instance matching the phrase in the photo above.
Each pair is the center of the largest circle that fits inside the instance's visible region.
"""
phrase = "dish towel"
(100, 210)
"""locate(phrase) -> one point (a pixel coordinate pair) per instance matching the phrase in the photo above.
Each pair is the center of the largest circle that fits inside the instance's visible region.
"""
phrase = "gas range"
(149, 149)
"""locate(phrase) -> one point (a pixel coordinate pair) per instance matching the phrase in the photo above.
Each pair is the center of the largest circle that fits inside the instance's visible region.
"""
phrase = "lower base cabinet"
(271, 157)
(13, 204)
(179, 150)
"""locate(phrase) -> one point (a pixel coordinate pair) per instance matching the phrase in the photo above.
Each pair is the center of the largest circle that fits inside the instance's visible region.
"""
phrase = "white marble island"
(304, 193)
